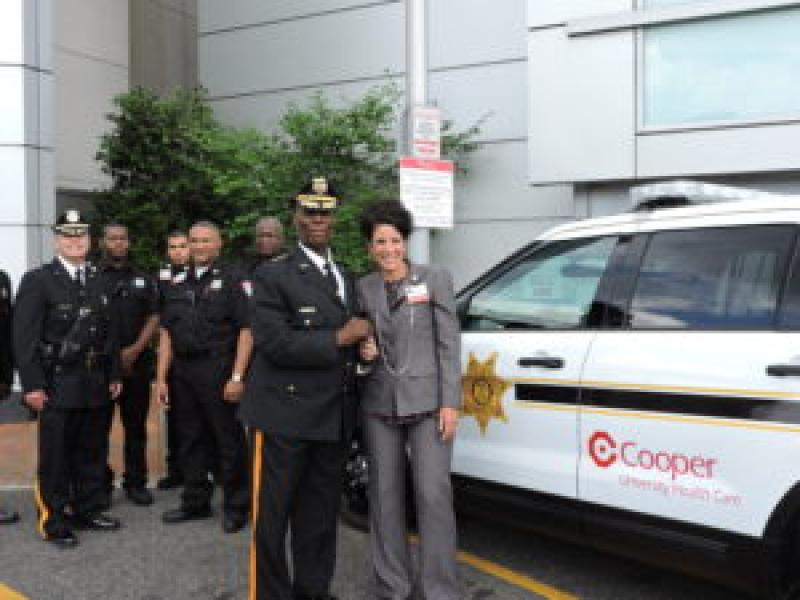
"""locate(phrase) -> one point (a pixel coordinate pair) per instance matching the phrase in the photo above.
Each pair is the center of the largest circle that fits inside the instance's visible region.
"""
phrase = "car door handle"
(783, 370)
(547, 362)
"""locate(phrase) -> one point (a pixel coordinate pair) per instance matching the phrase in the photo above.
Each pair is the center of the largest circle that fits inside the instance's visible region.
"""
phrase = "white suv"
(634, 382)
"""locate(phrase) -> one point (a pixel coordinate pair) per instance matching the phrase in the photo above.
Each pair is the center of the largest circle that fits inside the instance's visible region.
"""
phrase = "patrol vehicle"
(633, 382)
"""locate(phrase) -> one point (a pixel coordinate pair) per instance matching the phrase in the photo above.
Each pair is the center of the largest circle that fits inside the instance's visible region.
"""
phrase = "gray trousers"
(430, 468)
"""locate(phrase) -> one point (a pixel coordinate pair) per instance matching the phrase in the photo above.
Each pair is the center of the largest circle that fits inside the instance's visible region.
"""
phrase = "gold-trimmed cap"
(71, 223)
(317, 194)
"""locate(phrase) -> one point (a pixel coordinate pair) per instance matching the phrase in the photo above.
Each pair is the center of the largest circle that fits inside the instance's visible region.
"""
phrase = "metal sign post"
(416, 95)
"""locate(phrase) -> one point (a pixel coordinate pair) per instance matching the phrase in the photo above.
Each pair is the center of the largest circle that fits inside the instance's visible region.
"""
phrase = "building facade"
(61, 64)
(583, 98)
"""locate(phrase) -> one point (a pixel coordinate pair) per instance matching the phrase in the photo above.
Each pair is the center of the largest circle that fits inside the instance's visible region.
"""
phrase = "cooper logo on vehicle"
(602, 449)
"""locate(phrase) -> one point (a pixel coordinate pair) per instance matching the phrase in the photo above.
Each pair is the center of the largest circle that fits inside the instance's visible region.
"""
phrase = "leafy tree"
(171, 163)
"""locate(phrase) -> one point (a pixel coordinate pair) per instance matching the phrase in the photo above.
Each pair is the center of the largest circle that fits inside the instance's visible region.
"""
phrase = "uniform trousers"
(72, 463)
(389, 446)
(298, 484)
(173, 436)
(134, 404)
(200, 413)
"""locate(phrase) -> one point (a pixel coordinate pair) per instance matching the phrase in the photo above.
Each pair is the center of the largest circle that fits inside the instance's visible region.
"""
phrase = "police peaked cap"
(72, 223)
(317, 194)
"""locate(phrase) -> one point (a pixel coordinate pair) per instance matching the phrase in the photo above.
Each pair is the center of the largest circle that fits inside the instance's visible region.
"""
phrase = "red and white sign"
(426, 132)
(426, 190)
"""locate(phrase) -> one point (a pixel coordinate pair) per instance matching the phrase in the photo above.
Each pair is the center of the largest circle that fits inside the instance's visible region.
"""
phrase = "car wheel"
(355, 505)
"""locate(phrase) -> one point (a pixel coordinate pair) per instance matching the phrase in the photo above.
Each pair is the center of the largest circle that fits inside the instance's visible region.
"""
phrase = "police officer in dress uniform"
(134, 297)
(178, 262)
(300, 404)
(67, 353)
(205, 338)
(6, 364)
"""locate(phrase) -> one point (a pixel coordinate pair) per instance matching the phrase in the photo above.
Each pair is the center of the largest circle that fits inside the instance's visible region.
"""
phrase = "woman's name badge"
(417, 294)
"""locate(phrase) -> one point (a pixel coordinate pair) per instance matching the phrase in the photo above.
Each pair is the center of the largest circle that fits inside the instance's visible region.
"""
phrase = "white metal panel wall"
(84, 92)
(719, 151)
(25, 131)
(582, 106)
(91, 67)
(332, 48)
(496, 93)
(496, 190)
(466, 32)
(264, 110)
(214, 15)
(544, 13)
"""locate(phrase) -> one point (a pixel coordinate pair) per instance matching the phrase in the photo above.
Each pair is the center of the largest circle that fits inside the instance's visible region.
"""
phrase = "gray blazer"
(423, 340)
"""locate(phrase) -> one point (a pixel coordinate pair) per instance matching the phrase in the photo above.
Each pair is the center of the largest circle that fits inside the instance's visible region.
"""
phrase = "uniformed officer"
(205, 338)
(6, 364)
(67, 353)
(300, 404)
(178, 262)
(134, 296)
(268, 242)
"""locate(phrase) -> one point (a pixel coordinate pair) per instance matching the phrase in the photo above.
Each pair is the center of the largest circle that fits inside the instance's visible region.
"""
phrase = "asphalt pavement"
(148, 560)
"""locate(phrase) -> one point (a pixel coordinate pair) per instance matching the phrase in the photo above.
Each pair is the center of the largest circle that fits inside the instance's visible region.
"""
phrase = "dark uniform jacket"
(6, 362)
(205, 315)
(134, 297)
(301, 385)
(65, 336)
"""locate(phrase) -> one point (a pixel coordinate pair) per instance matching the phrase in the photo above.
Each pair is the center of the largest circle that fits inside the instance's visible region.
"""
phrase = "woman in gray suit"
(410, 402)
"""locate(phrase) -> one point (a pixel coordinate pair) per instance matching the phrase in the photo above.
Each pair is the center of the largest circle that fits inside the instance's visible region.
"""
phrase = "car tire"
(355, 505)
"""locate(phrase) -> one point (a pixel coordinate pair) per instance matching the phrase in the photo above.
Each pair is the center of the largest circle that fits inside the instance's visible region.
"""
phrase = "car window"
(789, 317)
(552, 288)
(722, 278)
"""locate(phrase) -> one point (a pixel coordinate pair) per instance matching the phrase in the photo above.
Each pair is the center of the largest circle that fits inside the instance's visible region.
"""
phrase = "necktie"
(80, 276)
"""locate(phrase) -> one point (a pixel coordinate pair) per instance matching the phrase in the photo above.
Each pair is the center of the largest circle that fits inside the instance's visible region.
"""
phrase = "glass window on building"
(740, 69)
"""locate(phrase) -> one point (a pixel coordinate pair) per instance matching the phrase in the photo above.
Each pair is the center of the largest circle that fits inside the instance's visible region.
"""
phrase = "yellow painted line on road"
(499, 572)
(514, 578)
(6, 593)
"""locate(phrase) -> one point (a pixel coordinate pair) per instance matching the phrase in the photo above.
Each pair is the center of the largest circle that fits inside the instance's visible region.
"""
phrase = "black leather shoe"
(233, 521)
(169, 482)
(315, 597)
(181, 515)
(63, 539)
(140, 496)
(8, 516)
(97, 521)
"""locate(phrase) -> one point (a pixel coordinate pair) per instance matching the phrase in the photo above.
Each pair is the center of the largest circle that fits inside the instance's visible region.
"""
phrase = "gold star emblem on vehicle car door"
(483, 390)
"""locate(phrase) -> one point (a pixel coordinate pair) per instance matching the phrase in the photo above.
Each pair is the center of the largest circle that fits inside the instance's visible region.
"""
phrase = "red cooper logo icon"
(602, 449)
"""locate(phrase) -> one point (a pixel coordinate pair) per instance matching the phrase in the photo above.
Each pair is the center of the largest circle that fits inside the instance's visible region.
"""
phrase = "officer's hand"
(368, 349)
(352, 332)
(128, 356)
(115, 387)
(35, 399)
(162, 392)
(233, 391)
(448, 423)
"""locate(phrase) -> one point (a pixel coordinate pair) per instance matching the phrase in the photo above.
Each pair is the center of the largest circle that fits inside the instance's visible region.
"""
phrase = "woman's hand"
(448, 423)
(368, 349)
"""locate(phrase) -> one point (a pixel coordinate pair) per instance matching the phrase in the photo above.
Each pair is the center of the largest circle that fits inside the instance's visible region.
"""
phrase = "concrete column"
(27, 196)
